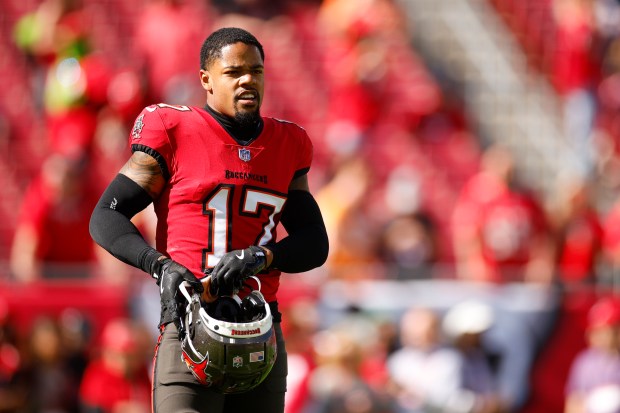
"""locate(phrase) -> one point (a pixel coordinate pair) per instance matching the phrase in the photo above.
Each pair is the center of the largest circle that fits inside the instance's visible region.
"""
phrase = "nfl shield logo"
(245, 155)
(237, 361)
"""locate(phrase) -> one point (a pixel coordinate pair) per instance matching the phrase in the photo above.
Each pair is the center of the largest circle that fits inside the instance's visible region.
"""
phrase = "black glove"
(169, 278)
(228, 275)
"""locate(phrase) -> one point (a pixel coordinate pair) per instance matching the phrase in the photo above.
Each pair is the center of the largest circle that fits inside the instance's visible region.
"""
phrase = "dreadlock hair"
(211, 49)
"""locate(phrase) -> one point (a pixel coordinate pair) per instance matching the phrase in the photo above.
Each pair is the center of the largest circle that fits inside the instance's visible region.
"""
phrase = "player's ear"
(205, 80)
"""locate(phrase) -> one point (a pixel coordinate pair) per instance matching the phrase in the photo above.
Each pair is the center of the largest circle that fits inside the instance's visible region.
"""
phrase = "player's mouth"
(248, 98)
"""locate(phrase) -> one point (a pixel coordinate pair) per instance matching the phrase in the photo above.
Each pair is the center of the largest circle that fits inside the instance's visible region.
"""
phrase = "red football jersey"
(220, 195)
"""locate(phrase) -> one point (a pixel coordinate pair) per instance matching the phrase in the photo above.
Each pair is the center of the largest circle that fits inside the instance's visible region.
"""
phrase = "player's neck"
(242, 133)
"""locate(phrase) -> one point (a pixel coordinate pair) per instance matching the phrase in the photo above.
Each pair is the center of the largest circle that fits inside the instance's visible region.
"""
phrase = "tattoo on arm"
(144, 170)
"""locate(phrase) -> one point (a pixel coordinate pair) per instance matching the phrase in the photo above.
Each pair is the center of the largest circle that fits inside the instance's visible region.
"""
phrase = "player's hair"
(211, 49)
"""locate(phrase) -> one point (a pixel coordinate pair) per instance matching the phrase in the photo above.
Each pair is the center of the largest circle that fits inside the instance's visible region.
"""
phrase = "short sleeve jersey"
(220, 195)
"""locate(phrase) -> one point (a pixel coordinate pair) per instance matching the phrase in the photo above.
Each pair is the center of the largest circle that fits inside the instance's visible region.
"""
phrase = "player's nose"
(247, 79)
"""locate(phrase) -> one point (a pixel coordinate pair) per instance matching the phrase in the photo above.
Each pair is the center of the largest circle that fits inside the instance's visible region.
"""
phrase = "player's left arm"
(306, 246)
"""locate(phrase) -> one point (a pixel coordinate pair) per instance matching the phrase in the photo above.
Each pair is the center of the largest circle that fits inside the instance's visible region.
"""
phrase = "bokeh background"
(466, 160)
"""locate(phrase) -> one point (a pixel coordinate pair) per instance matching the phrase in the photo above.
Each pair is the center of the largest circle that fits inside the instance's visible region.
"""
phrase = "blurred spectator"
(575, 72)
(52, 385)
(465, 381)
(524, 320)
(109, 145)
(352, 233)
(55, 27)
(607, 18)
(578, 230)
(75, 333)
(55, 37)
(77, 83)
(376, 352)
(350, 46)
(118, 380)
(444, 366)
(501, 234)
(500, 231)
(125, 97)
(13, 389)
(336, 384)
(169, 63)
(70, 132)
(408, 245)
(412, 367)
(300, 323)
(377, 70)
(611, 236)
(51, 239)
(375, 338)
(403, 189)
(594, 381)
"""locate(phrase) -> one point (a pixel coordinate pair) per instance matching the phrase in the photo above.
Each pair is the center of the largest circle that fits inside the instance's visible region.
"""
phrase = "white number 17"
(255, 203)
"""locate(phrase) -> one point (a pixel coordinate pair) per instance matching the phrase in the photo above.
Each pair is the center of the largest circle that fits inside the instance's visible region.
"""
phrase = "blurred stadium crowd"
(451, 286)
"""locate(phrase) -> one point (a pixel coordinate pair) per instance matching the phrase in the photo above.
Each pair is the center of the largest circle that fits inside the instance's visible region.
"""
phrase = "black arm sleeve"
(111, 226)
(306, 246)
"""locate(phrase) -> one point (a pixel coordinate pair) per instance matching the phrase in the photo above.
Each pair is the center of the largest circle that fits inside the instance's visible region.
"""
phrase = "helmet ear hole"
(253, 306)
(225, 309)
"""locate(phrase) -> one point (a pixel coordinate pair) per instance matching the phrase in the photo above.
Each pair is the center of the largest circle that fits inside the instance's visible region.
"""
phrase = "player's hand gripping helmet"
(230, 344)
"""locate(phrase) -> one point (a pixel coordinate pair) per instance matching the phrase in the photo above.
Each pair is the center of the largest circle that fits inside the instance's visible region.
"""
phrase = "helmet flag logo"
(257, 356)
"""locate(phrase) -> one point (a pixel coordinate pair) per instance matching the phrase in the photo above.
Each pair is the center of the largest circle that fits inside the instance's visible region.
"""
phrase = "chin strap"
(258, 283)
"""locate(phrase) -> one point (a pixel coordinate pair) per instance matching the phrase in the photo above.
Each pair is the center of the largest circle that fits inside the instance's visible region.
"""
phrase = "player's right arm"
(139, 182)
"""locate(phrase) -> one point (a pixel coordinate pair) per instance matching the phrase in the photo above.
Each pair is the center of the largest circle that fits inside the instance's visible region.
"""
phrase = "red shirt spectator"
(611, 235)
(500, 233)
(574, 67)
(166, 37)
(118, 380)
(580, 247)
(71, 132)
(579, 231)
(52, 231)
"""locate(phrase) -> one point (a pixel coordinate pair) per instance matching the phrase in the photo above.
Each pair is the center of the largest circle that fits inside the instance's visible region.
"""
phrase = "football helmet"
(229, 345)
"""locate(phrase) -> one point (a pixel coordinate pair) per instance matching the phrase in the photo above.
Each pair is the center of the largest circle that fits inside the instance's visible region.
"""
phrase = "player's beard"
(247, 120)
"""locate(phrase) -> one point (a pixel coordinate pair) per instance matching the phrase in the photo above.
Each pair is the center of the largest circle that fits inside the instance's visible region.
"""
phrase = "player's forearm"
(300, 252)
(111, 226)
(306, 246)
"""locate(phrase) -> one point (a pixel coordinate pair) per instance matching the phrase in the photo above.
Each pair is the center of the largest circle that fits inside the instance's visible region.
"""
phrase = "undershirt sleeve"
(111, 227)
(306, 246)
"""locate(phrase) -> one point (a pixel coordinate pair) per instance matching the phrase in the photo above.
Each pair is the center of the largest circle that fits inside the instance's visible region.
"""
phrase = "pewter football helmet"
(230, 344)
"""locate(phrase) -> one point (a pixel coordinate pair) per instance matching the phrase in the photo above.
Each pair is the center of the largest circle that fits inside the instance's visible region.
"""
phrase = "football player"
(221, 178)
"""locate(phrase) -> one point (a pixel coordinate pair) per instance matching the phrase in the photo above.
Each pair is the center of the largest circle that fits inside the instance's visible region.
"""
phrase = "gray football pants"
(175, 389)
